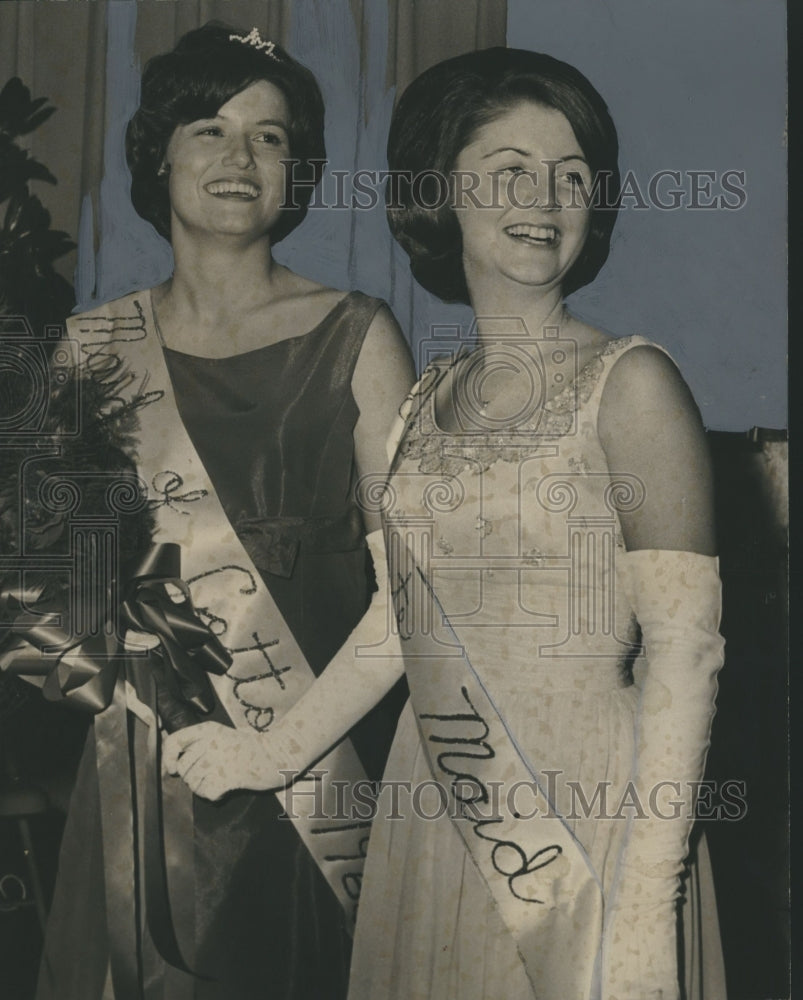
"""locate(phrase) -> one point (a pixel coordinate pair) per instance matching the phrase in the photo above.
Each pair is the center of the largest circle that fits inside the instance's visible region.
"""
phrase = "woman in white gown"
(551, 487)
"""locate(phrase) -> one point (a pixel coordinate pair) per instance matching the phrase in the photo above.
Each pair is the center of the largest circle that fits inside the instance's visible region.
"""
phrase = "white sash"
(269, 670)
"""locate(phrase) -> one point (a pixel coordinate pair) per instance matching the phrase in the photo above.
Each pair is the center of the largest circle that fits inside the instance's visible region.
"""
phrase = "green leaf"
(19, 114)
(17, 168)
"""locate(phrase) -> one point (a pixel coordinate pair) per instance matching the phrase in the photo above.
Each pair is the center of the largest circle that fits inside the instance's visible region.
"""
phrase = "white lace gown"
(524, 535)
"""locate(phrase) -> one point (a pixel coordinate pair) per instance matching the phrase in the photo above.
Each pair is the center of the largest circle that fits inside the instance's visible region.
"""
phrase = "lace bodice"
(435, 450)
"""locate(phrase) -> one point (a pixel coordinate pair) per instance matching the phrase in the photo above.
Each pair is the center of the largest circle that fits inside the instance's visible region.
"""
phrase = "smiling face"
(525, 221)
(227, 173)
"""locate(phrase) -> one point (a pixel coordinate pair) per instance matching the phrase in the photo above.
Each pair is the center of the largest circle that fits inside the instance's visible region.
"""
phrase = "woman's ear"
(163, 170)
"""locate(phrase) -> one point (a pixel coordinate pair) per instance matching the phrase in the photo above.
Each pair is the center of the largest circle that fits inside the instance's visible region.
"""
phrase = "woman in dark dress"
(262, 397)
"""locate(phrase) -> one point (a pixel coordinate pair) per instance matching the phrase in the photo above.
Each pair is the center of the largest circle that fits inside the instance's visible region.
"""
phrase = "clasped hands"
(214, 759)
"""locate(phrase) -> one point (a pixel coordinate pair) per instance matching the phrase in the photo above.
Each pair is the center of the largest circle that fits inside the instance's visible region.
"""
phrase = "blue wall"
(691, 86)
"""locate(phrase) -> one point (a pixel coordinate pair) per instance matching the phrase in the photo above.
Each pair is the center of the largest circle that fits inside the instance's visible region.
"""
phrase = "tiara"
(254, 39)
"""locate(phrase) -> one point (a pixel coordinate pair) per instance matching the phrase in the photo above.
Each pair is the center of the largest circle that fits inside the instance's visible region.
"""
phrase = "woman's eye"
(209, 130)
(513, 168)
(573, 179)
(270, 138)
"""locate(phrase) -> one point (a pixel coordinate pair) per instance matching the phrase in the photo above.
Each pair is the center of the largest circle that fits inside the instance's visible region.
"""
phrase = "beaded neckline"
(442, 452)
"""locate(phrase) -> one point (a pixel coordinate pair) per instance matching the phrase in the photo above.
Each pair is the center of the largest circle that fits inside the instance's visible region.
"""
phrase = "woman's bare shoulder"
(645, 372)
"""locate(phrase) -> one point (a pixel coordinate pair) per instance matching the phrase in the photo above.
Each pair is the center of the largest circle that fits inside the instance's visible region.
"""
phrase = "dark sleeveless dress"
(274, 429)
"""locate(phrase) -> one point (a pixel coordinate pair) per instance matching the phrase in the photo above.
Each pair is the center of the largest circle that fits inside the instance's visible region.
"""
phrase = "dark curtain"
(59, 52)
(423, 32)
(749, 739)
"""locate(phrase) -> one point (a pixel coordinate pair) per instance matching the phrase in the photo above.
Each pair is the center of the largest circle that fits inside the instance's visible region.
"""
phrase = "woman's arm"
(215, 759)
(382, 379)
(650, 428)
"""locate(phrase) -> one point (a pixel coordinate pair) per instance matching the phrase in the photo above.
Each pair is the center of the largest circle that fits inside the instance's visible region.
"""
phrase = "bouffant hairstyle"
(204, 71)
(440, 113)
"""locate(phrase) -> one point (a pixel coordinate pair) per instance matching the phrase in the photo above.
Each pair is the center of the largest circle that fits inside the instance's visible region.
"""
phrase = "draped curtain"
(87, 57)
(423, 32)
(59, 52)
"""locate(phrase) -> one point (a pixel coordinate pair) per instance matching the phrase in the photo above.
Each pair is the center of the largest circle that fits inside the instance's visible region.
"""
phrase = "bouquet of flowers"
(54, 421)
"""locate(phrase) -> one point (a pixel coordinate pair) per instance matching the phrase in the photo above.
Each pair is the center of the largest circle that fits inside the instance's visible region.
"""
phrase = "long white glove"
(215, 759)
(676, 597)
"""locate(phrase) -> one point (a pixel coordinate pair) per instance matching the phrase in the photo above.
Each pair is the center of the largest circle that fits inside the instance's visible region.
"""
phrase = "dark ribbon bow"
(188, 652)
(84, 671)
(90, 673)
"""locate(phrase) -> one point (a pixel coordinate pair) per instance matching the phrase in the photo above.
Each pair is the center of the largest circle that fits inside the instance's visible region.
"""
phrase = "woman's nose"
(238, 152)
(533, 189)
(549, 195)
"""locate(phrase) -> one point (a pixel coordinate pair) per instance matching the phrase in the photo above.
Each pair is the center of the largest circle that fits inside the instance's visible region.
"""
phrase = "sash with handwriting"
(269, 672)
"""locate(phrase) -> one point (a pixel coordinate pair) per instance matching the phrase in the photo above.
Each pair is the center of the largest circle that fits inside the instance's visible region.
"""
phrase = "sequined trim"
(443, 453)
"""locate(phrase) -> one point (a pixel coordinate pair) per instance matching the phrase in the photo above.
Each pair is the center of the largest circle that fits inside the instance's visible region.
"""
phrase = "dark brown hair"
(204, 71)
(438, 116)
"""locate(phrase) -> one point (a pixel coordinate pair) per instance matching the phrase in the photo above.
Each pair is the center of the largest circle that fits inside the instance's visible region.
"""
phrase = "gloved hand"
(676, 597)
(215, 759)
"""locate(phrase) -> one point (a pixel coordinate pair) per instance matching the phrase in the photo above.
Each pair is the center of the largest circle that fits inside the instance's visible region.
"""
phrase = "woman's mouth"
(542, 236)
(239, 190)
